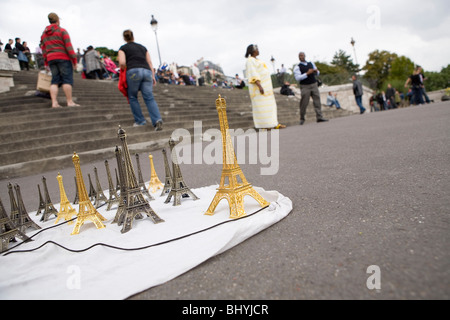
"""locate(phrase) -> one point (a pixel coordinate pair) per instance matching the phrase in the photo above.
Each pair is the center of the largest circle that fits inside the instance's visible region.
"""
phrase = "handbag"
(22, 57)
(319, 82)
(44, 82)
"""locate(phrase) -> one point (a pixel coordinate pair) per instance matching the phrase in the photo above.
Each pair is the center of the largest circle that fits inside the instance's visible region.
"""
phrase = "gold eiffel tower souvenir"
(229, 187)
(86, 212)
(155, 184)
(66, 211)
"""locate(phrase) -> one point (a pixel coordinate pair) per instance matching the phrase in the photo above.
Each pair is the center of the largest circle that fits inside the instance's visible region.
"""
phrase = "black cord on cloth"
(126, 249)
(48, 228)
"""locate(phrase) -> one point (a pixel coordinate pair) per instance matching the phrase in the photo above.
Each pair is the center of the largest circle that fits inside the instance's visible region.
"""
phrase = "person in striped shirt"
(59, 58)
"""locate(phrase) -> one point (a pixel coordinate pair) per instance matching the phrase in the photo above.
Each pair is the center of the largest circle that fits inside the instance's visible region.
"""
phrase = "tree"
(332, 74)
(401, 68)
(342, 60)
(378, 67)
(109, 52)
(438, 80)
(326, 69)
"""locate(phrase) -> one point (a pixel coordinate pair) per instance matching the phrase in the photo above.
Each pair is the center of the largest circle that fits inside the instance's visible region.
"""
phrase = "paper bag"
(44, 82)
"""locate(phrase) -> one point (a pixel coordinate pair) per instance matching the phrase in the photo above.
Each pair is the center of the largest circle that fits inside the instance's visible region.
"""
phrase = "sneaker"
(159, 126)
(139, 124)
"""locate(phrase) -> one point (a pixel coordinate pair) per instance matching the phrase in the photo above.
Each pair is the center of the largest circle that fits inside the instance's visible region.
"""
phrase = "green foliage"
(329, 69)
(332, 74)
(344, 61)
(383, 67)
(398, 84)
(438, 80)
(109, 52)
(402, 67)
(378, 67)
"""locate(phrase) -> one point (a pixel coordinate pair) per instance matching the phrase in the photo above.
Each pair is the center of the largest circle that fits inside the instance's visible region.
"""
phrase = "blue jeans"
(336, 103)
(424, 94)
(417, 95)
(62, 71)
(140, 79)
(359, 103)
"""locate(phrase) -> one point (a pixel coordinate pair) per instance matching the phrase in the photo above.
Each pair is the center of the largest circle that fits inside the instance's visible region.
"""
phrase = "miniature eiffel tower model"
(121, 210)
(19, 215)
(168, 178)
(25, 221)
(135, 202)
(86, 210)
(49, 207)
(141, 180)
(14, 215)
(41, 202)
(234, 191)
(92, 192)
(179, 188)
(117, 181)
(66, 211)
(77, 198)
(155, 184)
(113, 196)
(8, 230)
(99, 195)
(120, 213)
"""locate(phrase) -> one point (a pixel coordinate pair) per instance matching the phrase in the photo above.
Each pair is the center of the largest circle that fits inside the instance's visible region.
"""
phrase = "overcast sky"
(221, 30)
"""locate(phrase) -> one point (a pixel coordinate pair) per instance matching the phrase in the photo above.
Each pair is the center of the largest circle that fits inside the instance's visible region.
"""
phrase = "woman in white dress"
(261, 91)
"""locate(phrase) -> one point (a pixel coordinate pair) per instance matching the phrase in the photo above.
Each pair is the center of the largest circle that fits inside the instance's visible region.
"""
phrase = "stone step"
(80, 115)
(91, 140)
(35, 138)
(21, 135)
(59, 156)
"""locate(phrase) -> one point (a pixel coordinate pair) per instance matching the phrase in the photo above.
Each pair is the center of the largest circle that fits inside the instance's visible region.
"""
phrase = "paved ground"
(367, 190)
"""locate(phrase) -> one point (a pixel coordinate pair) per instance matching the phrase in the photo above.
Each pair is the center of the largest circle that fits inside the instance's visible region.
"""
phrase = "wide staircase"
(35, 138)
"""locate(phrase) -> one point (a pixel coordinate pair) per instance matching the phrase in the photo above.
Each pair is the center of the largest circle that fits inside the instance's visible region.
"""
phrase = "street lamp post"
(354, 50)
(154, 25)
